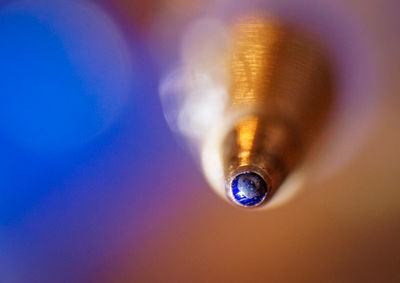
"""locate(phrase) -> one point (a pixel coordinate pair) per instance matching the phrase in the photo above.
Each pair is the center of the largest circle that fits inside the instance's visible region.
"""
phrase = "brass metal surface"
(282, 82)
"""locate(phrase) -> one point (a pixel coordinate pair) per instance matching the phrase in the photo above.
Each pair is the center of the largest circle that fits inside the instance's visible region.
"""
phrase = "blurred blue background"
(82, 168)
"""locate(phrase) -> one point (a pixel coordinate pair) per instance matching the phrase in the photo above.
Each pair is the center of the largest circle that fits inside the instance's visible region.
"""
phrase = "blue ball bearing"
(249, 189)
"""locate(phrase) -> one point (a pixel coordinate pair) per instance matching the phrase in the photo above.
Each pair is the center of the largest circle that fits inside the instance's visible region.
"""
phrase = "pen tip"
(249, 189)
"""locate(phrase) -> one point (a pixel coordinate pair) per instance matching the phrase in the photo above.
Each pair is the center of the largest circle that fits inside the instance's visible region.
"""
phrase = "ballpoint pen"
(255, 98)
(280, 90)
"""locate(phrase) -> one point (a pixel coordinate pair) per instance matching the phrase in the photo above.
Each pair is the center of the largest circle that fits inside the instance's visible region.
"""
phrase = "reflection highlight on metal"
(245, 139)
(255, 94)
(249, 189)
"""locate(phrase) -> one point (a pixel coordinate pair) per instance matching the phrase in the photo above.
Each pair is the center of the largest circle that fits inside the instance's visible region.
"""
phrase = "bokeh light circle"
(65, 73)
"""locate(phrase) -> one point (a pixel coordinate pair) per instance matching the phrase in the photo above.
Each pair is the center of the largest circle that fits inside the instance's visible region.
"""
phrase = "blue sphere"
(249, 189)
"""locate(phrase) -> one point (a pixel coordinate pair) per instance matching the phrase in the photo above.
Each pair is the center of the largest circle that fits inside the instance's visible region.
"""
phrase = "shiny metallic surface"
(281, 83)
(248, 189)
